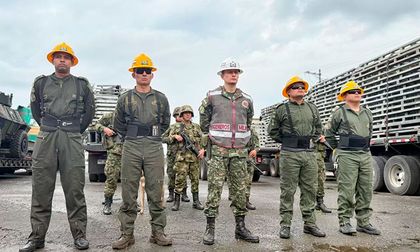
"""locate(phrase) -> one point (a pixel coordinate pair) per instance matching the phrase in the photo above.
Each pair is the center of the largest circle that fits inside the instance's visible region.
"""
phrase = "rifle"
(189, 145)
(251, 161)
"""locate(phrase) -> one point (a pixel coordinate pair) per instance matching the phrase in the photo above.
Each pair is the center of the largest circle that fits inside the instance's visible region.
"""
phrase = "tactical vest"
(351, 141)
(292, 139)
(51, 123)
(228, 125)
(135, 128)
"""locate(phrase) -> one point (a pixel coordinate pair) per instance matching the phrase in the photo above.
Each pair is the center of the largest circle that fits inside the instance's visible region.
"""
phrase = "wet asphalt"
(396, 216)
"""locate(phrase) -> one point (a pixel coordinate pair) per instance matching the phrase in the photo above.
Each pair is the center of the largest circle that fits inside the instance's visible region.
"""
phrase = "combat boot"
(249, 205)
(321, 206)
(123, 242)
(196, 202)
(170, 196)
(208, 238)
(241, 232)
(347, 229)
(313, 230)
(175, 207)
(368, 229)
(184, 196)
(32, 246)
(159, 238)
(284, 232)
(107, 206)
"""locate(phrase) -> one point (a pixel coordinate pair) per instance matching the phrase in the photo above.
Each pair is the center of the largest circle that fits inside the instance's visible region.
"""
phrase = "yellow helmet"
(142, 61)
(62, 47)
(351, 85)
(293, 80)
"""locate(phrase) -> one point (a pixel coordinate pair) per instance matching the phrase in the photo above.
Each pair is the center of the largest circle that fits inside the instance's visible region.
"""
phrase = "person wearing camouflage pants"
(170, 160)
(112, 143)
(320, 154)
(225, 120)
(187, 163)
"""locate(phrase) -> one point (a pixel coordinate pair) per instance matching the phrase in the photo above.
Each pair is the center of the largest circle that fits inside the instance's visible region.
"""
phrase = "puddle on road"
(329, 247)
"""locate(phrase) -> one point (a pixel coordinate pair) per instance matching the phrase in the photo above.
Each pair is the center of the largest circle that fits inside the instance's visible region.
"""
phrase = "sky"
(188, 40)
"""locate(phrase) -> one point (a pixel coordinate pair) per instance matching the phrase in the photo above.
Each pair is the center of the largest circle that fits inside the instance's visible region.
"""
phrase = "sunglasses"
(298, 87)
(142, 70)
(356, 91)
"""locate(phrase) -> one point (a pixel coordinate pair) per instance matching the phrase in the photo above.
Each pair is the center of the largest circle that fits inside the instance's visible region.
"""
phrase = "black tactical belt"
(142, 130)
(52, 123)
(353, 142)
(298, 142)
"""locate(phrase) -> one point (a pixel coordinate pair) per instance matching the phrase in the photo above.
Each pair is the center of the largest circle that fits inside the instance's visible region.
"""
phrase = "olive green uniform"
(186, 162)
(354, 163)
(298, 126)
(63, 107)
(113, 147)
(141, 118)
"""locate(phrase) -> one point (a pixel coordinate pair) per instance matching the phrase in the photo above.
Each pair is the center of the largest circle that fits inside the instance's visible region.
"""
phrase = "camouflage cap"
(176, 112)
(186, 108)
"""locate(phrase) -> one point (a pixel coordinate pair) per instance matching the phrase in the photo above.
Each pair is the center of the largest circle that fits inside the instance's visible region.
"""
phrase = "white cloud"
(188, 40)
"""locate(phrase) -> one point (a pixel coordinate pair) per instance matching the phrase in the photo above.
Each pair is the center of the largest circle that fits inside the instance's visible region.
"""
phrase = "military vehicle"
(13, 138)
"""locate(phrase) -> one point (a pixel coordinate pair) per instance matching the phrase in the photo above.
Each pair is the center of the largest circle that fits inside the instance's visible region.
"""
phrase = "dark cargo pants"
(298, 169)
(142, 157)
(58, 151)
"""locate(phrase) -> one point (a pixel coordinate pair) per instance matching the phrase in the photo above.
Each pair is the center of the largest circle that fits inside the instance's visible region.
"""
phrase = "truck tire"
(274, 167)
(19, 144)
(203, 169)
(378, 164)
(401, 175)
(256, 176)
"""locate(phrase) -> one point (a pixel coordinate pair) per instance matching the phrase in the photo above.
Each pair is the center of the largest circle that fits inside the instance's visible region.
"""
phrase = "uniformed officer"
(63, 105)
(142, 115)
(112, 143)
(186, 161)
(296, 125)
(170, 160)
(320, 193)
(353, 124)
(225, 119)
(253, 146)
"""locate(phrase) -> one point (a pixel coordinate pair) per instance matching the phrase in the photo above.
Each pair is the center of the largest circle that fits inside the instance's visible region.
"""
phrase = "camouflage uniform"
(186, 163)
(63, 107)
(113, 147)
(170, 157)
(254, 144)
(225, 119)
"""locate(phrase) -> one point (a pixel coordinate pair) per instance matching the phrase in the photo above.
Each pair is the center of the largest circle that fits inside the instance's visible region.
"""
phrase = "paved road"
(397, 217)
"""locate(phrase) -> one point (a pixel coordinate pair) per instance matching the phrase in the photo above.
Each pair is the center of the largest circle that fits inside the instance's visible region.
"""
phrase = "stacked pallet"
(392, 92)
(106, 97)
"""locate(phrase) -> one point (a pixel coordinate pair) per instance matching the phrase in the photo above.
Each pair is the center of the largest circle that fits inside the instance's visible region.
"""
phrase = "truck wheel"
(274, 167)
(19, 144)
(256, 176)
(93, 177)
(378, 164)
(401, 175)
(203, 169)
